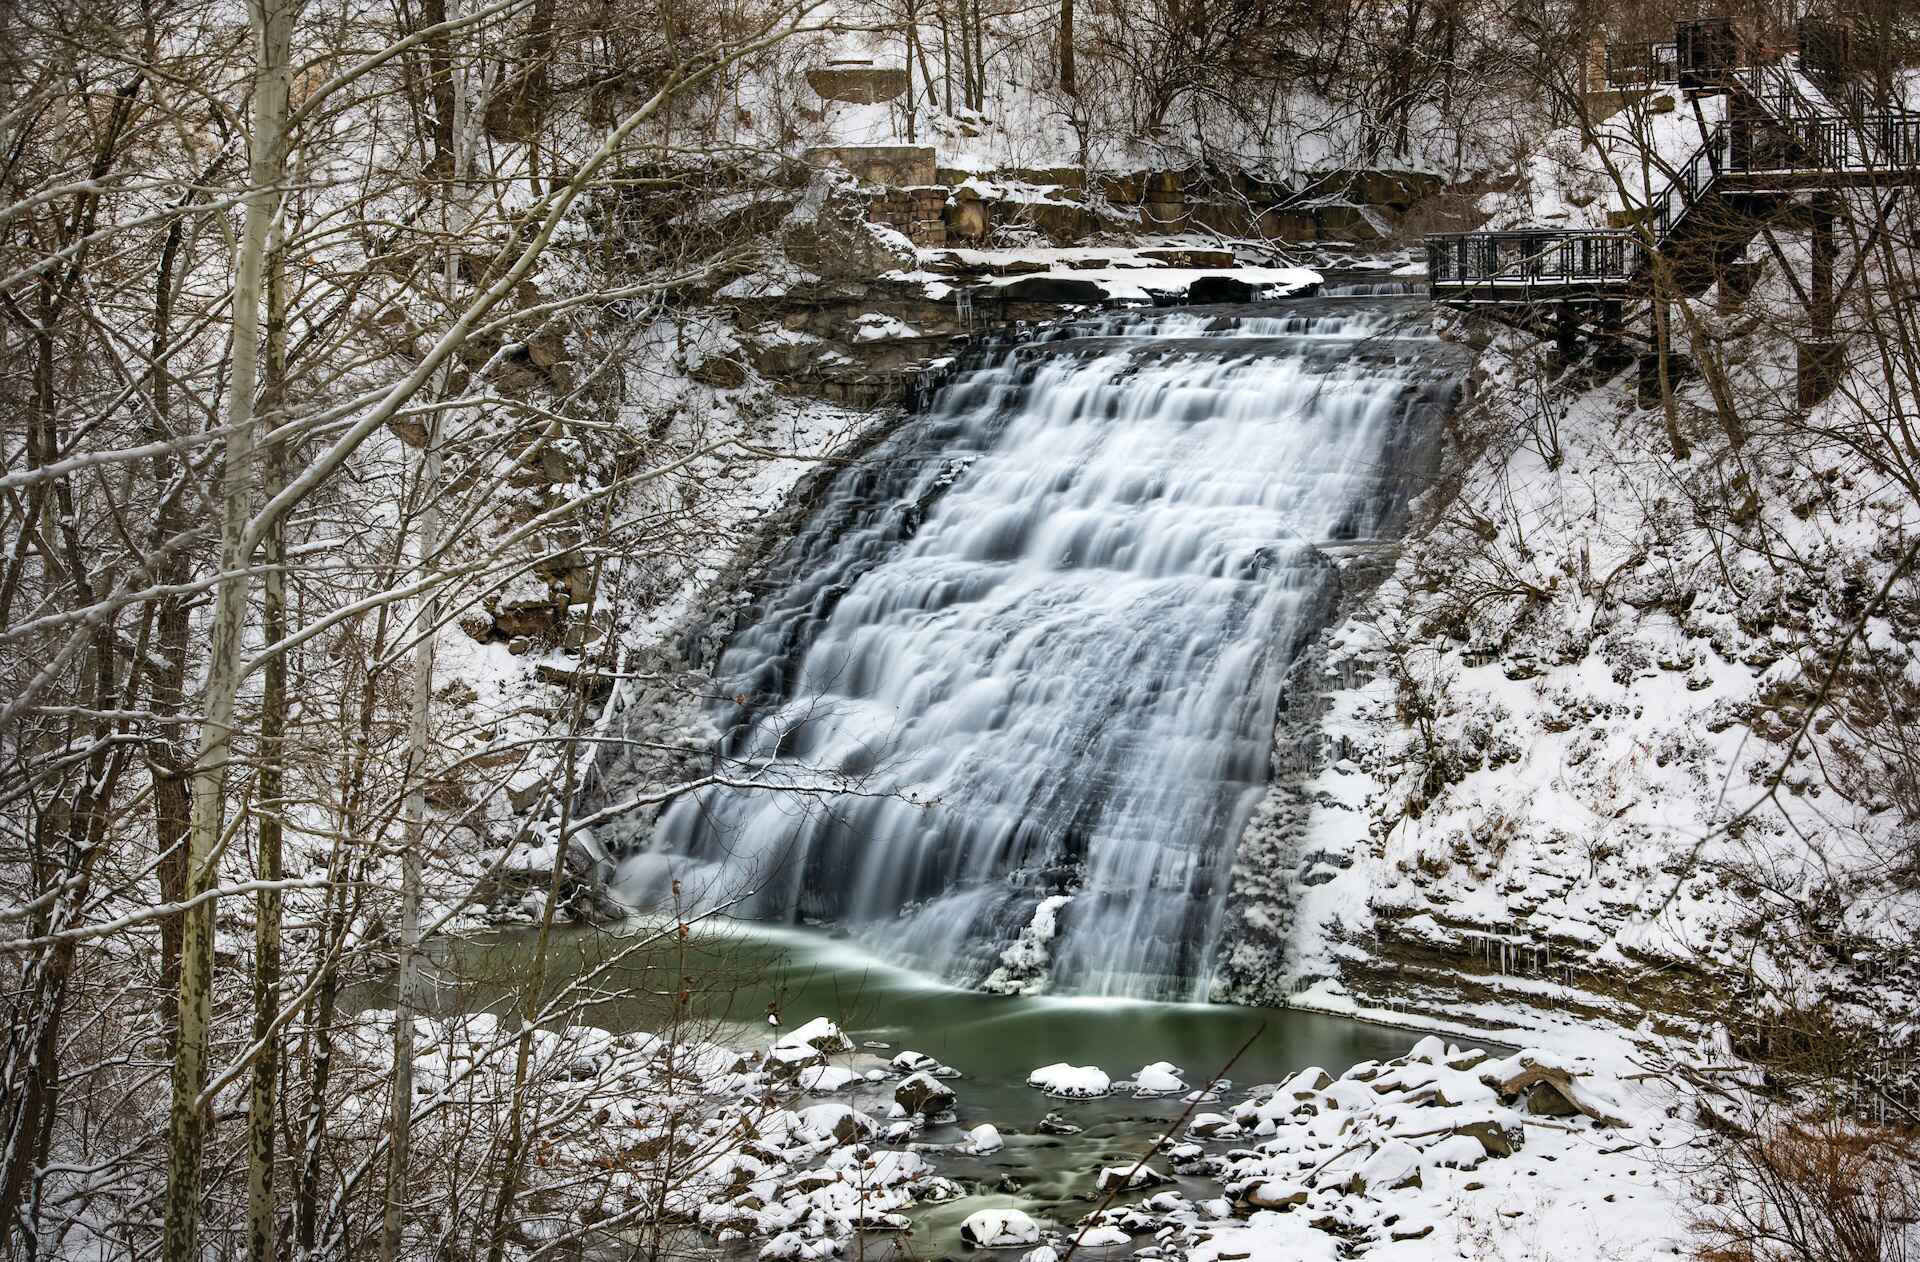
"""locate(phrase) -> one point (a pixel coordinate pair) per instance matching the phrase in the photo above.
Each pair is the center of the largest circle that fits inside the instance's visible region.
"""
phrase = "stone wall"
(857, 85)
(1063, 206)
(920, 213)
(897, 166)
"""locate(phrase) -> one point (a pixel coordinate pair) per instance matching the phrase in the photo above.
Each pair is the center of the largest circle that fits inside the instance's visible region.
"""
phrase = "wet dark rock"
(922, 1094)
(1046, 288)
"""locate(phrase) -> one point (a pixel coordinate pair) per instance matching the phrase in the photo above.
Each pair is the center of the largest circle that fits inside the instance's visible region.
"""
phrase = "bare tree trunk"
(906, 37)
(399, 1153)
(400, 1122)
(946, 54)
(29, 1076)
(520, 1133)
(272, 25)
(427, 493)
(1067, 84)
(271, 807)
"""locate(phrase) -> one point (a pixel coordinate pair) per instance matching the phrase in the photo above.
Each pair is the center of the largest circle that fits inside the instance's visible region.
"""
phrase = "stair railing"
(1691, 182)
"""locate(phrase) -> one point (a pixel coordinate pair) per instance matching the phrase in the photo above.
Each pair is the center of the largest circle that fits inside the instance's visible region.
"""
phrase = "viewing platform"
(1782, 138)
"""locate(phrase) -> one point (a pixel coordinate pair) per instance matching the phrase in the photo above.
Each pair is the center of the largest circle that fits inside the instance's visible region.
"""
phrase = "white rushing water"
(1039, 639)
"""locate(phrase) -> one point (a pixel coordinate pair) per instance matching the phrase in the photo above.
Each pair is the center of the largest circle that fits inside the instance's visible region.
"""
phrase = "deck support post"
(1821, 358)
(1826, 251)
(1566, 333)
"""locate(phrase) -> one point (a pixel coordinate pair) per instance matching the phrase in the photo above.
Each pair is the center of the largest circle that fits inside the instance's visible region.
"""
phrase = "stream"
(994, 1041)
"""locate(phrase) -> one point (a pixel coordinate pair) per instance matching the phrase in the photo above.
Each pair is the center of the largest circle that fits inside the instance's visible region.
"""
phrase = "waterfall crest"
(1037, 640)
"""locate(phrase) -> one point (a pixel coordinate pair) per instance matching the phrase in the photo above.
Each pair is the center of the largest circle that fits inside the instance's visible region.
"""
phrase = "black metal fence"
(1642, 65)
(1826, 49)
(1513, 265)
(1708, 50)
(1875, 142)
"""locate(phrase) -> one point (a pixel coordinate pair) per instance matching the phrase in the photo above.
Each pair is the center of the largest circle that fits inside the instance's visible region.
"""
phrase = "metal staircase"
(1775, 143)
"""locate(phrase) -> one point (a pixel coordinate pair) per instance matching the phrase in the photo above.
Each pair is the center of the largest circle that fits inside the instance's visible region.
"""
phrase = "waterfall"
(1023, 664)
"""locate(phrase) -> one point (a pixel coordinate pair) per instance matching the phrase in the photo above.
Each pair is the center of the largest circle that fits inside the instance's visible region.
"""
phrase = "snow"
(1266, 1234)
(1142, 285)
(1159, 1078)
(1128, 1177)
(1070, 1081)
(827, 1078)
(1023, 965)
(984, 1138)
(874, 327)
(999, 1229)
(1368, 1159)
(819, 1035)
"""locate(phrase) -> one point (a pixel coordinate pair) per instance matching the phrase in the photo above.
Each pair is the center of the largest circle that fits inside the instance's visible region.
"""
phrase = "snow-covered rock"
(845, 1124)
(1070, 1081)
(827, 1078)
(818, 1035)
(999, 1229)
(984, 1138)
(1128, 1177)
(1160, 1078)
(923, 1094)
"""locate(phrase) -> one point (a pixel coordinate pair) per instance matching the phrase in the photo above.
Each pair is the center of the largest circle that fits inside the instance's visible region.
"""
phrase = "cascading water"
(1032, 648)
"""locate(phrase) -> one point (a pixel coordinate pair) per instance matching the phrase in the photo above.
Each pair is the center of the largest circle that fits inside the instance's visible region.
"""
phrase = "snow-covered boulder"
(807, 1046)
(1129, 1177)
(1393, 1165)
(1160, 1078)
(1079, 1082)
(791, 1246)
(1276, 1194)
(999, 1229)
(819, 1034)
(1212, 1126)
(827, 1078)
(984, 1138)
(847, 1125)
(911, 1062)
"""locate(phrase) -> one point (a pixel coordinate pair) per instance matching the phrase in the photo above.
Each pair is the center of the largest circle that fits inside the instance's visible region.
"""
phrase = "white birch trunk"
(400, 1120)
(272, 29)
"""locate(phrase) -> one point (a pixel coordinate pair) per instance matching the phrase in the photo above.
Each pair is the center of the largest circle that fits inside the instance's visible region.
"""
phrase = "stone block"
(1344, 222)
(897, 166)
(1288, 225)
(857, 85)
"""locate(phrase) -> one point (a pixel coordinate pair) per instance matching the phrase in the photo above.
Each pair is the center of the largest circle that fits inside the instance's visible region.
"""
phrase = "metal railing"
(1513, 264)
(1691, 183)
(1643, 65)
(1876, 142)
(1826, 49)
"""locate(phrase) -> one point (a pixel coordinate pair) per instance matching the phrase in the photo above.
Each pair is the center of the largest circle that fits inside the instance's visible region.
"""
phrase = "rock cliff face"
(934, 205)
(1554, 766)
